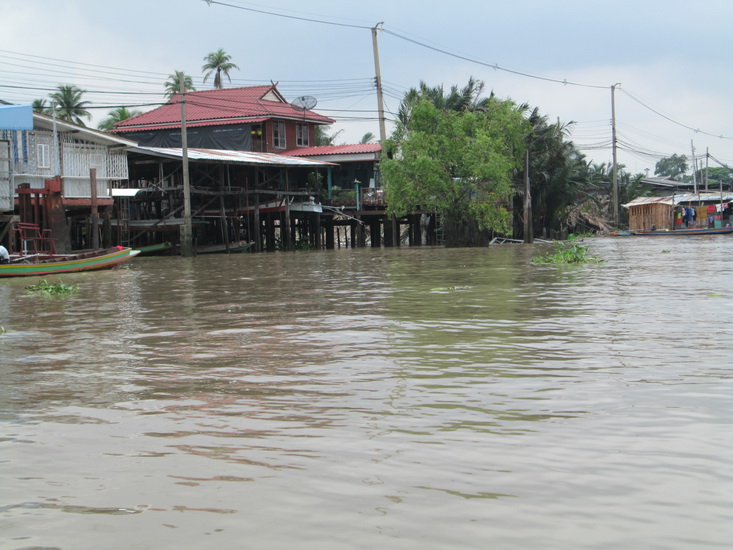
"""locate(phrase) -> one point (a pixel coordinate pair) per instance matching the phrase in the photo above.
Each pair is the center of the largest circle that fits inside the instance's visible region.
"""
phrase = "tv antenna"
(304, 103)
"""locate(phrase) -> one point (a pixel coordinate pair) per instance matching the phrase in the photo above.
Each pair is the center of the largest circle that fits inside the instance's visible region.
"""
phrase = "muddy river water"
(395, 398)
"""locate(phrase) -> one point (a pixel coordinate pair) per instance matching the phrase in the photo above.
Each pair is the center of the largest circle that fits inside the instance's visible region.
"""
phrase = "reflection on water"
(397, 398)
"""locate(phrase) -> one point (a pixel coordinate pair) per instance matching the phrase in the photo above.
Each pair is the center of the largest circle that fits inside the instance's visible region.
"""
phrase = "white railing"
(80, 188)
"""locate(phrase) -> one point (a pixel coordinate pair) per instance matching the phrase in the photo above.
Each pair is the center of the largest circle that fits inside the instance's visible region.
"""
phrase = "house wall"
(290, 135)
(33, 158)
(231, 137)
(647, 215)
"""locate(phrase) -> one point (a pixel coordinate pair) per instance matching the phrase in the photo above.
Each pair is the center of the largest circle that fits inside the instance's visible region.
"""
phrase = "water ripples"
(364, 398)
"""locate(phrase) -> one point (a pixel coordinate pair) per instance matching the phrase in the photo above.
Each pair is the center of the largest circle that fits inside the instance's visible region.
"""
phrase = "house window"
(43, 151)
(278, 135)
(301, 135)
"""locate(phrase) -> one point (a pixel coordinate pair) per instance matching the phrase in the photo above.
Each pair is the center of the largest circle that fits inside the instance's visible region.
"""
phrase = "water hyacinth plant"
(573, 253)
(45, 288)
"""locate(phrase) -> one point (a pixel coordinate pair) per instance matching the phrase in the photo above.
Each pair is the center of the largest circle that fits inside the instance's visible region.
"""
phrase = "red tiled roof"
(358, 148)
(219, 107)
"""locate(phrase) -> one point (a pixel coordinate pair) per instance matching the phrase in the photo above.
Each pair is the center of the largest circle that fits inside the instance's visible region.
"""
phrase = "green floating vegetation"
(45, 288)
(580, 236)
(567, 254)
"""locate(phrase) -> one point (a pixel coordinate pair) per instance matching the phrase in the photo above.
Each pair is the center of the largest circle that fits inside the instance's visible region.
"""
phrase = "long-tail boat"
(41, 264)
(683, 232)
(38, 256)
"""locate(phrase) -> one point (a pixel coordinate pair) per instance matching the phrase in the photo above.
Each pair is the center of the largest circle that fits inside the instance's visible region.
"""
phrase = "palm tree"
(367, 138)
(173, 85)
(468, 98)
(69, 105)
(40, 106)
(323, 139)
(218, 62)
(118, 115)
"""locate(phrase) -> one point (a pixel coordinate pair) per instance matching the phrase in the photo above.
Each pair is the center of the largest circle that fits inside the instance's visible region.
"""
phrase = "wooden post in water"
(330, 240)
(316, 219)
(285, 232)
(187, 227)
(95, 209)
(223, 213)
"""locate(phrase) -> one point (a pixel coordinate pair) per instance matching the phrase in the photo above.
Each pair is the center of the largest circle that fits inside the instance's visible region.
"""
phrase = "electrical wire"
(656, 112)
(299, 18)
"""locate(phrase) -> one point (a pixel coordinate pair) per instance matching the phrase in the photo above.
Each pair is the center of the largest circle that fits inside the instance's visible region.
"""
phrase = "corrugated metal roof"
(219, 105)
(357, 148)
(681, 198)
(234, 157)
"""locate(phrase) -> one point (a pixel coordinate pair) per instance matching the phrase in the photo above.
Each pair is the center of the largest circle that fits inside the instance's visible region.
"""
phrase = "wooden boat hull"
(42, 265)
(683, 232)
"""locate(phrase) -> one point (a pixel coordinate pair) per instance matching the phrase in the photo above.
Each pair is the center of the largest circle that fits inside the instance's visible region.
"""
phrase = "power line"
(299, 18)
(696, 130)
(494, 66)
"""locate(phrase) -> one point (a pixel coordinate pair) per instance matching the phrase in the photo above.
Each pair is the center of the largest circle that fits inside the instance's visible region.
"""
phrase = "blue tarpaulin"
(16, 117)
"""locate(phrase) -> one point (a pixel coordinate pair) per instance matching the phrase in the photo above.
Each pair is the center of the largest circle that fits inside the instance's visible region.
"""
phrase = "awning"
(16, 117)
(125, 192)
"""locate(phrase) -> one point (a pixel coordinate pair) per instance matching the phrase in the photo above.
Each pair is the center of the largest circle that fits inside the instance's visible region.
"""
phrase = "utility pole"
(378, 82)
(694, 166)
(187, 229)
(707, 166)
(382, 128)
(614, 191)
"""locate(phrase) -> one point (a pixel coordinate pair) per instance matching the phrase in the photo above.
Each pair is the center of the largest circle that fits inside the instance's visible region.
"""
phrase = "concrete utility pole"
(614, 192)
(382, 128)
(187, 228)
(378, 82)
(694, 166)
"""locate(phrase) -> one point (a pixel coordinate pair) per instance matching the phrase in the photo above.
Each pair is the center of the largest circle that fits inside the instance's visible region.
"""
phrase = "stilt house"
(46, 172)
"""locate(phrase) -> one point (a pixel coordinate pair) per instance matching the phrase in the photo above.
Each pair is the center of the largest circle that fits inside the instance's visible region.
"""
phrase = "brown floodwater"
(390, 398)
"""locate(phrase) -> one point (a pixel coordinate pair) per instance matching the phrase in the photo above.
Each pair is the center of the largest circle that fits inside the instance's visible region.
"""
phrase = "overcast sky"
(671, 59)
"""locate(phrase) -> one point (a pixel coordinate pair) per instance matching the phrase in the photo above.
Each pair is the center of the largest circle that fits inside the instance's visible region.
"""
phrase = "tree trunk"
(462, 231)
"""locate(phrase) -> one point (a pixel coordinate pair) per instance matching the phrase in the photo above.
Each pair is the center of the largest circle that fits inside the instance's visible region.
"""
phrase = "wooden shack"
(665, 212)
(648, 212)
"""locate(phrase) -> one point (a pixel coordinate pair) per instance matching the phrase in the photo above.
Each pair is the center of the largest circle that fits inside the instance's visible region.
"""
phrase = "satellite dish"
(304, 103)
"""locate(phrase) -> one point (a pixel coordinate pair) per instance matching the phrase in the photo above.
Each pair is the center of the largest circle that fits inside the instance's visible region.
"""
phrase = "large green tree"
(69, 104)
(118, 115)
(218, 63)
(173, 84)
(716, 175)
(457, 163)
(673, 167)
